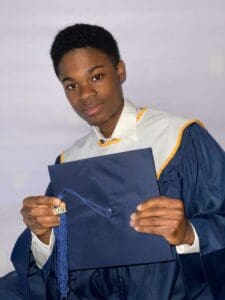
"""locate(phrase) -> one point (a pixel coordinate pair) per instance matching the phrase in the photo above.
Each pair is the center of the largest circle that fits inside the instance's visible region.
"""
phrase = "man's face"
(93, 86)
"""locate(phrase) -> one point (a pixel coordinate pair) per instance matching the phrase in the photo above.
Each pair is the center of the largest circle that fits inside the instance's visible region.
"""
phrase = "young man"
(190, 167)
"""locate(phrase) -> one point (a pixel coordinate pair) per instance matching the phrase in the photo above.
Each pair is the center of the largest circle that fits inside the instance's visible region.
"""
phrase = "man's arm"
(197, 176)
(200, 167)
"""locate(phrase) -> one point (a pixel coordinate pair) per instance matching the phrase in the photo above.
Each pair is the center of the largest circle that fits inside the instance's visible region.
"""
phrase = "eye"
(71, 86)
(97, 77)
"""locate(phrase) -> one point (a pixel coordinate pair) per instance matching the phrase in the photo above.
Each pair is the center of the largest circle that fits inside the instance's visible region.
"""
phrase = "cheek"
(116, 87)
(72, 99)
(114, 94)
(110, 90)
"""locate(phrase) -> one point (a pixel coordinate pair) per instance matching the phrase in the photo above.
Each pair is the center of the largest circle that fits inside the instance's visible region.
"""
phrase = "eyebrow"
(89, 71)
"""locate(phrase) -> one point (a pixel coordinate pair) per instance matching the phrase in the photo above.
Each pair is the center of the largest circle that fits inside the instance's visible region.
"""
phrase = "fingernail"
(131, 223)
(57, 202)
(133, 216)
(136, 228)
(139, 207)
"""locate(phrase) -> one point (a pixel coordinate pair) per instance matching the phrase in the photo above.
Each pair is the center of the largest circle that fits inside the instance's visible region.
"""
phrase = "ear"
(121, 71)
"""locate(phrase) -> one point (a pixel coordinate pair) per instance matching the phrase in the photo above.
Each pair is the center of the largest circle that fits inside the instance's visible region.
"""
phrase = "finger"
(41, 200)
(163, 231)
(158, 212)
(44, 210)
(159, 230)
(40, 211)
(42, 221)
(35, 211)
(154, 221)
(160, 202)
(50, 225)
(42, 228)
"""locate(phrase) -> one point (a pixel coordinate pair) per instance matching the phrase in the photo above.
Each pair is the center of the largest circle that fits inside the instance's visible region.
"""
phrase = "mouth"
(92, 110)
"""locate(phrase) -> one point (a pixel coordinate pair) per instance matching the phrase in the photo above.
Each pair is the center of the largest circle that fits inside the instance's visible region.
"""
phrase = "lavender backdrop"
(175, 56)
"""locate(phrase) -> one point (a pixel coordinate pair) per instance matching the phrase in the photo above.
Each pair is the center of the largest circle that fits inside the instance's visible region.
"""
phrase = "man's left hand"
(166, 217)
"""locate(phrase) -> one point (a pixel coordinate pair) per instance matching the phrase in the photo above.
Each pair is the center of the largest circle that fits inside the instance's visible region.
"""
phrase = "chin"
(95, 123)
(96, 120)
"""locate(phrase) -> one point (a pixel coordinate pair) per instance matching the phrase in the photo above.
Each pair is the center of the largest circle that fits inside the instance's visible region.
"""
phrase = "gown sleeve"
(197, 176)
(29, 275)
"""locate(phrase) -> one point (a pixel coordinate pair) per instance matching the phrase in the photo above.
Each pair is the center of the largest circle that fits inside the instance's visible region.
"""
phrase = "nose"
(87, 92)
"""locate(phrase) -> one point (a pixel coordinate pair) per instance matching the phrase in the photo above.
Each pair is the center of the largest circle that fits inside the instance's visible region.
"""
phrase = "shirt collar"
(126, 125)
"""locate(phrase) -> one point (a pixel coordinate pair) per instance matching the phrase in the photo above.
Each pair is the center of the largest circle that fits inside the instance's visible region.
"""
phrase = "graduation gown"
(194, 175)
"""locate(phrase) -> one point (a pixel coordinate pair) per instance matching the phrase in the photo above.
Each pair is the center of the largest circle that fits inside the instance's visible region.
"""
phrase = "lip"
(93, 109)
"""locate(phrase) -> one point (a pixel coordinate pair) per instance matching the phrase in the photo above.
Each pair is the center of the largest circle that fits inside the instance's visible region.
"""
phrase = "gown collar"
(125, 127)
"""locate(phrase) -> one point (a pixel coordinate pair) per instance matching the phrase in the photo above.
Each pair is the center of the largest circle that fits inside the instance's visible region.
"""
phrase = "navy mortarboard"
(100, 194)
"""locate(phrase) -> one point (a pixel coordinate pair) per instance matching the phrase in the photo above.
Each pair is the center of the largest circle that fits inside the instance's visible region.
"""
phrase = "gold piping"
(62, 158)
(141, 112)
(105, 143)
(179, 139)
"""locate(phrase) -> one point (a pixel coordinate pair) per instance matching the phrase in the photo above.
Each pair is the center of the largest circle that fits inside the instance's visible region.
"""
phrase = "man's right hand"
(38, 215)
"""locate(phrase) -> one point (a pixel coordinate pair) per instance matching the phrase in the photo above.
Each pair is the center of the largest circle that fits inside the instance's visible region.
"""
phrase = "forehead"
(82, 60)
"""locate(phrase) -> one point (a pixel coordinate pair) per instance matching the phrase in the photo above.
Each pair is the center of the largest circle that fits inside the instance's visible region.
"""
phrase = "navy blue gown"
(196, 175)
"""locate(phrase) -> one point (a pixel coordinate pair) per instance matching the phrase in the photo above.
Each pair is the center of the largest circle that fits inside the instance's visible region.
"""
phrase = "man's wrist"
(188, 249)
(45, 238)
(189, 235)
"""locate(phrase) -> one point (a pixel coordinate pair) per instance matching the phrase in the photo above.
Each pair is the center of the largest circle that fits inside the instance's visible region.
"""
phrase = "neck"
(107, 133)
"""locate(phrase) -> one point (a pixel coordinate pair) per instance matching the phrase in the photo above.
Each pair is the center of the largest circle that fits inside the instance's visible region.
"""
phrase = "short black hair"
(83, 36)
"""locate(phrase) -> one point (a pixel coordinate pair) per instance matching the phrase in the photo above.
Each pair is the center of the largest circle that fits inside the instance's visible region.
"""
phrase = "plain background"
(175, 57)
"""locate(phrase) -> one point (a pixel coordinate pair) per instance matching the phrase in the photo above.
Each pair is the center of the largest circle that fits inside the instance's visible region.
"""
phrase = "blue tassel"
(105, 212)
(62, 275)
(62, 257)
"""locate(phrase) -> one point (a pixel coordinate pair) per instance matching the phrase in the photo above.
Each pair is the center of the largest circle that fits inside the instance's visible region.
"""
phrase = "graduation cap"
(100, 194)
